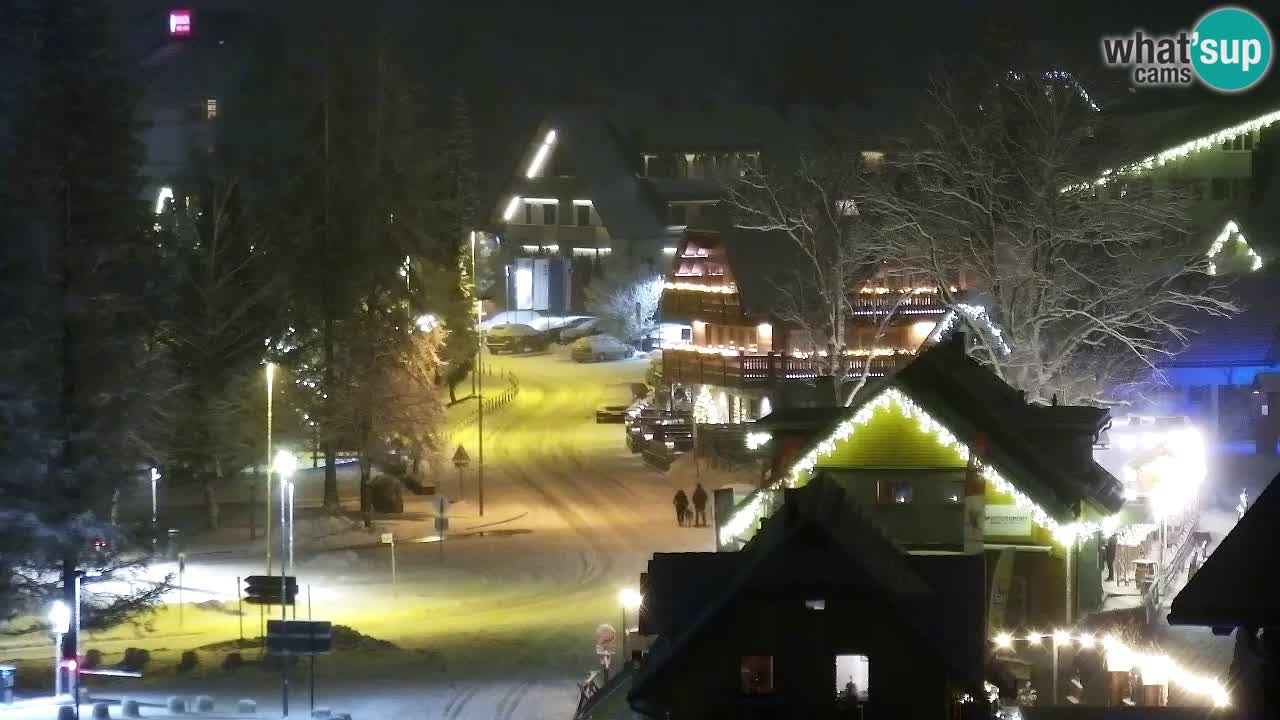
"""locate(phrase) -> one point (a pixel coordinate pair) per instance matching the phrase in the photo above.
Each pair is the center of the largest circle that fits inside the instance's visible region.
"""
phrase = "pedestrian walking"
(699, 506)
(681, 501)
(1112, 543)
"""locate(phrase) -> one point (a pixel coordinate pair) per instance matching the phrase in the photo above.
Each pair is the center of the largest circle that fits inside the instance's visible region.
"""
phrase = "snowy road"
(501, 627)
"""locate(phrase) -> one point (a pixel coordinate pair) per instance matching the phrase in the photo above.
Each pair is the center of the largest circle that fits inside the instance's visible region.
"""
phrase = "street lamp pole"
(479, 382)
(155, 477)
(284, 463)
(270, 372)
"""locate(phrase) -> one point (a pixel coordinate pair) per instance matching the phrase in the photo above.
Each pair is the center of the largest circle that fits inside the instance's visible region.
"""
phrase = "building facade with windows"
(734, 287)
(819, 616)
(596, 186)
(1224, 155)
(945, 458)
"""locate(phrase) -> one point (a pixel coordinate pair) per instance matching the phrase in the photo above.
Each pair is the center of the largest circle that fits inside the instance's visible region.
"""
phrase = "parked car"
(598, 348)
(611, 413)
(515, 338)
(531, 318)
(573, 328)
(579, 328)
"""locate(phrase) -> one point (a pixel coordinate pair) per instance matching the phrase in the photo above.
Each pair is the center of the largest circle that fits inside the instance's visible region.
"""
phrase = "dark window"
(756, 675)
(549, 214)
(894, 492)
(1240, 188)
(677, 215)
(528, 213)
(584, 214)
(1219, 188)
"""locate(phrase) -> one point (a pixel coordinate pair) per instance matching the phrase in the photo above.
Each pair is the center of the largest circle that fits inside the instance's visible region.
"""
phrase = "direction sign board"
(299, 637)
(269, 590)
(460, 457)
(388, 538)
(442, 524)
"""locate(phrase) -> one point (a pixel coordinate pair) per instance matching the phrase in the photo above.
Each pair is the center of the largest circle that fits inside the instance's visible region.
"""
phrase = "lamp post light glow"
(284, 464)
(59, 624)
(630, 599)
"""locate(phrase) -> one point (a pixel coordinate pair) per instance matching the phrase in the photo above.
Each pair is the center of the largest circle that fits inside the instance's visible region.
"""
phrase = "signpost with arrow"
(442, 520)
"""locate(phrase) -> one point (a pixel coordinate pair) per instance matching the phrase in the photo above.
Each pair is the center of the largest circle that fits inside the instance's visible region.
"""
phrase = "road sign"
(388, 538)
(299, 637)
(460, 458)
(441, 504)
(265, 590)
(606, 635)
(442, 524)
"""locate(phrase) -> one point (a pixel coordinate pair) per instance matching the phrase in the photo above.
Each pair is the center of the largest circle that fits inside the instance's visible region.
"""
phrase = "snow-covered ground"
(501, 627)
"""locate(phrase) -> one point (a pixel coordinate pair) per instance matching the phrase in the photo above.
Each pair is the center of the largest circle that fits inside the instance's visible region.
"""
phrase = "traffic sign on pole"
(460, 458)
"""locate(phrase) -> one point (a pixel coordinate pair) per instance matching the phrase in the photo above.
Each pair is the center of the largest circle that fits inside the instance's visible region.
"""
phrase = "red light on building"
(179, 23)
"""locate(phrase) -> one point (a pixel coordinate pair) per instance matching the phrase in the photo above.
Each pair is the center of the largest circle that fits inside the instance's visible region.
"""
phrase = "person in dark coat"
(681, 501)
(699, 506)
(1112, 544)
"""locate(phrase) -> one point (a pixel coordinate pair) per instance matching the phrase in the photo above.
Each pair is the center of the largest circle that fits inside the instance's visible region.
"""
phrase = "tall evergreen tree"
(81, 369)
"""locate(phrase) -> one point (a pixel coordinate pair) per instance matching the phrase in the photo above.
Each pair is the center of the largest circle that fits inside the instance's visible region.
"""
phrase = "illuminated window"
(818, 604)
(894, 492)
(756, 673)
(179, 23)
(853, 679)
(210, 108)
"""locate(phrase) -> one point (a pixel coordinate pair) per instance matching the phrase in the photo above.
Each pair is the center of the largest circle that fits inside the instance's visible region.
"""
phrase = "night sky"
(514, 58)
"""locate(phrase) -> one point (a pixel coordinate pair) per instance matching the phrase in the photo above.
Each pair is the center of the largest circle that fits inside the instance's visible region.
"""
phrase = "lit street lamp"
(59, 624)
(630, 599)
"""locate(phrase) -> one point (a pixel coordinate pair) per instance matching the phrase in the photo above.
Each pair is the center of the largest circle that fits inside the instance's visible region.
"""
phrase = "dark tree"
(82, 376)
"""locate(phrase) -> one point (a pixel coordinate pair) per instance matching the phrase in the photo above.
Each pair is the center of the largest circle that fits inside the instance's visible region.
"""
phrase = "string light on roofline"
(1177, 152)
(1122, 657)
(728, 289)
(753, 509)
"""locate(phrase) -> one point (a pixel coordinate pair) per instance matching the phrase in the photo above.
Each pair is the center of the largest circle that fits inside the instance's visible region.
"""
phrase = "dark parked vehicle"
(612, 413)
(572, 329)
(675, 429)
(516, 338)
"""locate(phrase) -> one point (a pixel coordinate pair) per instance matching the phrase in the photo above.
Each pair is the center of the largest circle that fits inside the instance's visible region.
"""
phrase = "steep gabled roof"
(765, 268)
(967, 406)
(1033, 444)
(821, 538)
(625, 205)
(1237, 585)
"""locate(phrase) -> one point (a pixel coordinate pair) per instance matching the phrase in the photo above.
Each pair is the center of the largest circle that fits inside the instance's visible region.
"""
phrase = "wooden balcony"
(754, 370)
(692, 305)
(923, 303)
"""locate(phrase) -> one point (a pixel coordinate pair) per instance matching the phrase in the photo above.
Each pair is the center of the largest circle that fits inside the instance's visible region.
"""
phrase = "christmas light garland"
(976, 314)
(1123, 656)
(1219, 244)
(753, 510)
(1177, 152)
(727, 289)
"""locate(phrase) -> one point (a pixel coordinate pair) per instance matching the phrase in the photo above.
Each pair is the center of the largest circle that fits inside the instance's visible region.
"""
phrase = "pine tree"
(454, 249)
(82, 367)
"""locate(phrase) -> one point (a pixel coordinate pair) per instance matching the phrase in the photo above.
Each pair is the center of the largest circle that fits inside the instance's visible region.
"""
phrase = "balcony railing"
(705, 306)
(758, 370)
